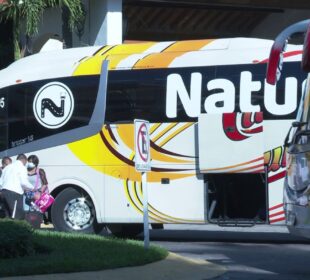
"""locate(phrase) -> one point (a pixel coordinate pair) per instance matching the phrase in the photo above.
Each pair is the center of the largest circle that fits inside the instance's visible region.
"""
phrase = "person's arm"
(23, 176)
(1, 180)
(43, 178)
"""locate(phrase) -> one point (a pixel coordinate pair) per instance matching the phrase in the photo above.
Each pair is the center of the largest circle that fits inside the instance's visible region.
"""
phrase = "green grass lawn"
(65, 252)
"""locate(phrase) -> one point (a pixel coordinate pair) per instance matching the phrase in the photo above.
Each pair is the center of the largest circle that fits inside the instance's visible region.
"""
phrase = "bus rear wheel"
(74, 212)
(125, 230)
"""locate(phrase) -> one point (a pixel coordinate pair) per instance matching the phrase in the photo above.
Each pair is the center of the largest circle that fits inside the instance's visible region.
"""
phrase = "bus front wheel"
(74, 212)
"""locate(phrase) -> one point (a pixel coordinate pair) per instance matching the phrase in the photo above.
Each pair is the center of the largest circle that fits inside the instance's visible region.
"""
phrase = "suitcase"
(34, 218)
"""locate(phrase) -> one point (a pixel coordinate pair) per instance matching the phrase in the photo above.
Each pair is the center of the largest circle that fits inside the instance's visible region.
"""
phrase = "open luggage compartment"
(236, 199)
(231, 157)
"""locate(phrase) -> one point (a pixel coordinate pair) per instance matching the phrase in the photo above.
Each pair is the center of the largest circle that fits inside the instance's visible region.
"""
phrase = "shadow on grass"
(68, 252)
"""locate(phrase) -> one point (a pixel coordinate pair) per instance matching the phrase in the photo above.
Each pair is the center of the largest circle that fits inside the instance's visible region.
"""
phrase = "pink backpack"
(44, 202)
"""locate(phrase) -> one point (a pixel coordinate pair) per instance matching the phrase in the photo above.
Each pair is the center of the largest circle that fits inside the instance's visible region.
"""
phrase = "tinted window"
(22, 127)
(133, 96)
(142, 93)
(3, 120)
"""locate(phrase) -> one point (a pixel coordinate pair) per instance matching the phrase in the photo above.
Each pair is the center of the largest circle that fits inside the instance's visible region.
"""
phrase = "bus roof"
(146, 55)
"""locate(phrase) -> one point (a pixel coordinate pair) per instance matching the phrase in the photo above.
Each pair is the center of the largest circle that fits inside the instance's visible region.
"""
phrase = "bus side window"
(147, 101)
(141, 94)
(119, 108)
(17, 112)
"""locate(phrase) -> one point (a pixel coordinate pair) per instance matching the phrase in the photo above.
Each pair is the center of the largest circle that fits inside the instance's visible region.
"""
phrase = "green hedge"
(16, 239)
(72, 252)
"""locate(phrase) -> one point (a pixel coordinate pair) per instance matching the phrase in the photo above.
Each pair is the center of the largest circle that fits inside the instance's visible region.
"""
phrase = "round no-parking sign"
(142, 146)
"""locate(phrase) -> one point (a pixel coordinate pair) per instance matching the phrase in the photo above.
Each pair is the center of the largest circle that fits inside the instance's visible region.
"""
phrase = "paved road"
(260, 253)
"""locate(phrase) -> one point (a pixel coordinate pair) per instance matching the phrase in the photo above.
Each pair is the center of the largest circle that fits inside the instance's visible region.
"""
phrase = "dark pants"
(11, 198)
(3, 207)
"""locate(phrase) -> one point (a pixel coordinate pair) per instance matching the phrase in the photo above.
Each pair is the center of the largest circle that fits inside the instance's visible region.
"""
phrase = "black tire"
(66, 202)
(125, 230)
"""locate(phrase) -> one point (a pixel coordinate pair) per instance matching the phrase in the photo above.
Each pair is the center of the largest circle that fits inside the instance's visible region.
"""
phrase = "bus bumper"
(298, 219)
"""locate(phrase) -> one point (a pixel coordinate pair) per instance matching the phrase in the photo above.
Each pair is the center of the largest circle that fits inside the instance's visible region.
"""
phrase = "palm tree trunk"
(16, 32)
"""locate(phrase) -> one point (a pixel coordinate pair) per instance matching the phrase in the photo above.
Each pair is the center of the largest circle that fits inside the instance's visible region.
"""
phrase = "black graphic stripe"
(131, 163)
(111, 133)
(114, 152)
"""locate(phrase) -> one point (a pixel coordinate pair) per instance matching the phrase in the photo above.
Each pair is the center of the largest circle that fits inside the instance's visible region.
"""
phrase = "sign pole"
(145, 212)
(143, 165)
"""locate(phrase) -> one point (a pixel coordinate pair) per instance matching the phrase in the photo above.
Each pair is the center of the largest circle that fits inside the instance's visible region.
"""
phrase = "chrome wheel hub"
(79, 213)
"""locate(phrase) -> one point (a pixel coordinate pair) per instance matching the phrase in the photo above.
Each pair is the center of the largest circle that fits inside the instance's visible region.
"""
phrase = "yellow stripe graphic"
(165, 58)
(178, 131)
(154, 127)
(159, 135)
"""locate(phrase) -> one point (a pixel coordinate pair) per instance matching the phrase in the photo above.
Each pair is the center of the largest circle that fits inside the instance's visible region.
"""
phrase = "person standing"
(14, 182)
(5, 162)
(36, 177)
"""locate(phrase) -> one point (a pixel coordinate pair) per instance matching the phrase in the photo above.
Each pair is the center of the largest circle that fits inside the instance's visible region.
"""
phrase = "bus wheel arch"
(74, 210)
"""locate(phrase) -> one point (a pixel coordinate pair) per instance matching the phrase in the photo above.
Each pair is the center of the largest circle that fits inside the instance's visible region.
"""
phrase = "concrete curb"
(173, 267)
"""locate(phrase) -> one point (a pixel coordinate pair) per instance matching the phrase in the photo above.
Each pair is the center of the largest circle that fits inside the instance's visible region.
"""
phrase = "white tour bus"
(297, 182)
(216, 131)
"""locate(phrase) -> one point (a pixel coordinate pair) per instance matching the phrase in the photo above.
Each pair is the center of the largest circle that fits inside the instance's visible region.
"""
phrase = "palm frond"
(32, 11)
(75, 8)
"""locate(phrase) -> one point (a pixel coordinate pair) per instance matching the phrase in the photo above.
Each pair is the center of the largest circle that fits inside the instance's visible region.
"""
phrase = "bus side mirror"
(305, 62)
(275, 63)
(298, 124)
(295, 124)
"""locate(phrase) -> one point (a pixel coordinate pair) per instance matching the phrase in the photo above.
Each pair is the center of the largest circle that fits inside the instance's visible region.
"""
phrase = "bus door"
(231, 155)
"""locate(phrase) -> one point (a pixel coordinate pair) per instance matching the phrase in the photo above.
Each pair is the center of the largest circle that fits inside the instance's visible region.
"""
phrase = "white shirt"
(15, 178)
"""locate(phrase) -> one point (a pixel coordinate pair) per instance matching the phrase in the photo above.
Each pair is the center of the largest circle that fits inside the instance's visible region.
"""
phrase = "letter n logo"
(53, 105)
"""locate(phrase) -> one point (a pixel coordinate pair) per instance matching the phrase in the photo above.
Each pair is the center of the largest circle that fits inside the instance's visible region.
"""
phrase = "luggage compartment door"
(231, 155)
(231, 143)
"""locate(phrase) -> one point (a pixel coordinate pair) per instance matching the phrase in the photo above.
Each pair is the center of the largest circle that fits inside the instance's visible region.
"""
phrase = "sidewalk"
(173, 267)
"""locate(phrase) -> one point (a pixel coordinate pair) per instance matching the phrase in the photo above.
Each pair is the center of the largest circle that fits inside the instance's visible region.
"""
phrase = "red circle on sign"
(140, 134)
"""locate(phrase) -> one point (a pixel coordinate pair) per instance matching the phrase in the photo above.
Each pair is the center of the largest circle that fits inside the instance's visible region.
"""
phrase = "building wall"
(103, 25)
(275, 23)
(50, 26)
(104, 22)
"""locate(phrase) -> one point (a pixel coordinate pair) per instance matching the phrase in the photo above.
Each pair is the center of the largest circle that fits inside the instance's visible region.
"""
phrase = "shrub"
(16, 239)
